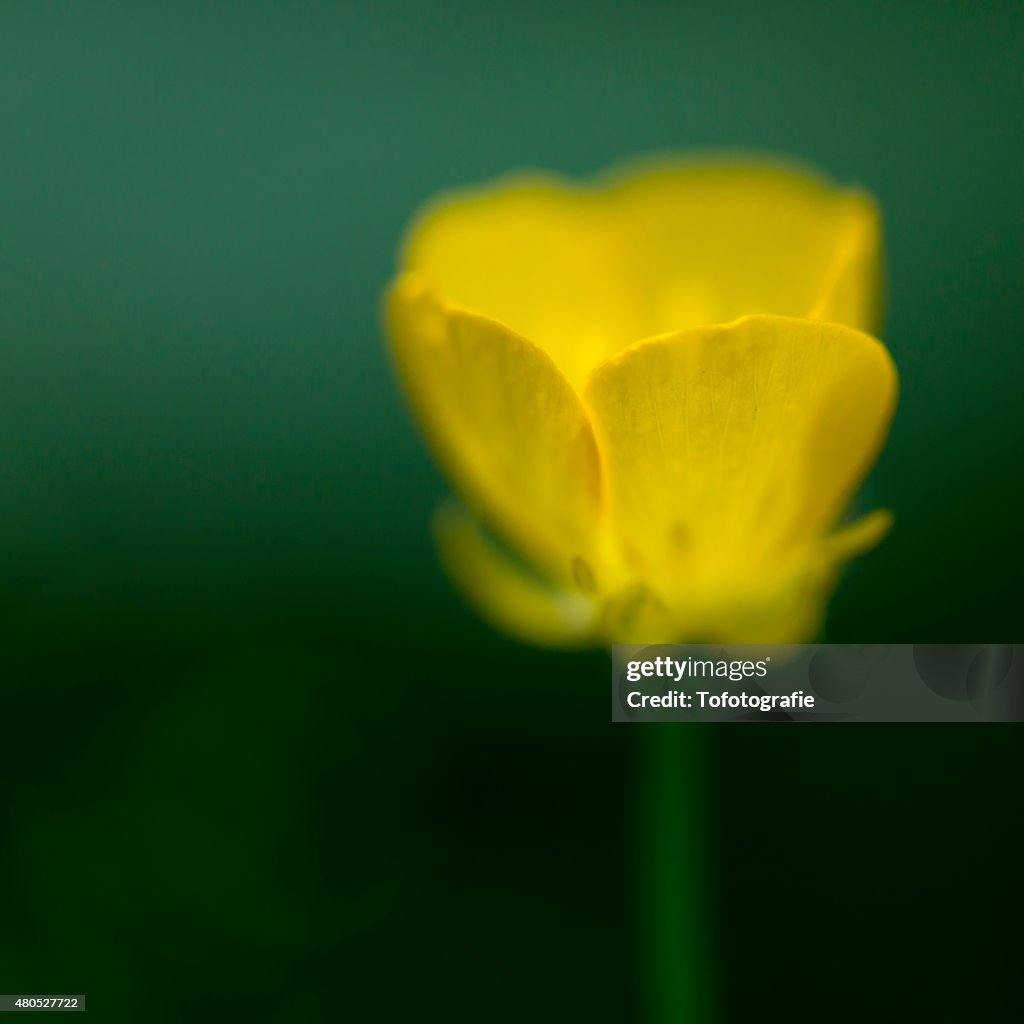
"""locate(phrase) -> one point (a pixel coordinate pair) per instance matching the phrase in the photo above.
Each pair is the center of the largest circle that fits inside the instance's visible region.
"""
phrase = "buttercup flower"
(655, 397)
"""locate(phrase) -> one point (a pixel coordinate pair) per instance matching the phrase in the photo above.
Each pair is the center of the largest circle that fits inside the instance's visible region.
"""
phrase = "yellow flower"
(657, 393)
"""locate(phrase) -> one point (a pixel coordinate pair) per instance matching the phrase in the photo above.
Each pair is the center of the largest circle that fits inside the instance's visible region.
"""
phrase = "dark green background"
(231, 784)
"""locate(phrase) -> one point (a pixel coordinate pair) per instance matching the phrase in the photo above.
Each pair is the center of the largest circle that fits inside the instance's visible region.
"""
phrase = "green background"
(256, 761)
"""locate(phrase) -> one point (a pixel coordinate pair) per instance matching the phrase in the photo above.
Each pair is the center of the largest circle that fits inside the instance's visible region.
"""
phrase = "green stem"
(677, 958)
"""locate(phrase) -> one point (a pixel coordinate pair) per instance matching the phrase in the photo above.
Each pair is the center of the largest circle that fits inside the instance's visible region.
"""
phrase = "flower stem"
(673, 871)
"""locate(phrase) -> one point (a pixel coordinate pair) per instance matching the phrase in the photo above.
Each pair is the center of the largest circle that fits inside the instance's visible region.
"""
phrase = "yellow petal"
(505, 425)
(537, 254)
(852, 293)
(729, 452)
(712, 241)
(505, 593)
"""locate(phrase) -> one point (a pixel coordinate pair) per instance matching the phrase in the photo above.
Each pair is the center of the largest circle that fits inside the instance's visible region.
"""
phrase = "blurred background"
(256, 760)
